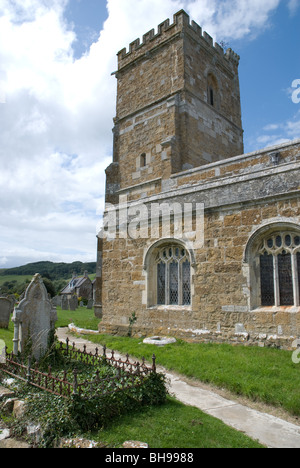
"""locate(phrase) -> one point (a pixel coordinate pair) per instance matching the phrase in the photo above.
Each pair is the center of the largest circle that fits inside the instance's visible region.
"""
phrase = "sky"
(57, 103)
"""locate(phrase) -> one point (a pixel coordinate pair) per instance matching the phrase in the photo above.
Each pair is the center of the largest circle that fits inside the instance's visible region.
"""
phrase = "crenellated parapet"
(166, 32)
(178, 105)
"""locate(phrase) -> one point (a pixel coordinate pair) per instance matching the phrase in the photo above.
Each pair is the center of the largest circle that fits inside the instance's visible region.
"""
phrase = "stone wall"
(178, 139)
(253, 193)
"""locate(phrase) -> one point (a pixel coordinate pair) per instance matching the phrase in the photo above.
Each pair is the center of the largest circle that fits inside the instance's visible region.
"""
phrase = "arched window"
(212, 90)
(272, 257)
(143, 160)
(280, 269)
(173, 276)
(169, 272)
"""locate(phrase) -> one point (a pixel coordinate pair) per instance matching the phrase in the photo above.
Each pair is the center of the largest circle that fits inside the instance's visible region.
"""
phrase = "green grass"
(7, 336)
(82, 318)
(18, 279)
(173, 425)
(261, 374)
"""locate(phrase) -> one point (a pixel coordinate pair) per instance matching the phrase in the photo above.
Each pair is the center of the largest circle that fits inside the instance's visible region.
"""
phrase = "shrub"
(89, 410)
(93, 412)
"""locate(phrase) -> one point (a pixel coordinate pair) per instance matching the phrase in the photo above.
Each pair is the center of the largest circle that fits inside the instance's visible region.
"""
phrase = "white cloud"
(281, 132)
(293, 127)
(271, 127)
(56, 114)
(223, 19)
(232, 19)
(293, 6)
(3, 261)
(55, 136)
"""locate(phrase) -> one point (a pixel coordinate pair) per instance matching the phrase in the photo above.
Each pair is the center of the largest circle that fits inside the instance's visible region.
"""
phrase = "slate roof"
(74, 283)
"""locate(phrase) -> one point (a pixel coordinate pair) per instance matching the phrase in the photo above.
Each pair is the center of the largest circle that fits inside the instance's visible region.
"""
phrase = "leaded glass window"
(267, 281)
(280, 270)
(285, 279)
(161, 283)
(173, 276)
(186, 283)
(173, 284)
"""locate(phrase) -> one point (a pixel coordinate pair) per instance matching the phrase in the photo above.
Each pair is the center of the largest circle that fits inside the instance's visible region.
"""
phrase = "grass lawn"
(173, 425)
(7, 336)
(261, 374)
(82, 317)
(18, 279)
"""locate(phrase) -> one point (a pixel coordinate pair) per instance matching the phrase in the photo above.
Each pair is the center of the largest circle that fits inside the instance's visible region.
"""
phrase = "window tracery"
(280, 269)
(173, 276)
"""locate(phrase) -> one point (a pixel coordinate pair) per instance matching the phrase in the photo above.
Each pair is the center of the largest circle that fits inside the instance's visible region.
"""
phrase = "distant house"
(81, 286)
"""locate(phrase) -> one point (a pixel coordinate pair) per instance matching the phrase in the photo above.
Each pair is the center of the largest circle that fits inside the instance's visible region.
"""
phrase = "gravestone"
(73, 303)
(34, 319)
(12, 300)
(64, 303)
(6, 309)
(56, 301)
(90, 304)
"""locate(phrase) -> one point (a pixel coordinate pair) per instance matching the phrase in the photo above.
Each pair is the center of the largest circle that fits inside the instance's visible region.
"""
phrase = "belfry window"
(173, 276)
(212, 90)
(280, 270)
(143, 160)
(211, 96)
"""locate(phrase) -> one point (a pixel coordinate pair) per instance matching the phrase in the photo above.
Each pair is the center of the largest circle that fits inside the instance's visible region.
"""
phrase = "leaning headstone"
(5, 311)
(34, 319)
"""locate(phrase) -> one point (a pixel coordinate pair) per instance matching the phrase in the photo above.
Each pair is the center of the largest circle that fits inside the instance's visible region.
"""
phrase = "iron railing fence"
(135, 368)
(128, 374)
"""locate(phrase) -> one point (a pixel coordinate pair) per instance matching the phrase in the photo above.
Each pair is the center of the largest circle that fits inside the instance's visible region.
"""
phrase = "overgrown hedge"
(67, 417)
(94, 412)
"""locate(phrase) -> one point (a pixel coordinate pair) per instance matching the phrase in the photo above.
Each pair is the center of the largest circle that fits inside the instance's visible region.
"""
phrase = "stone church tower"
(178, 145)
(178, 105)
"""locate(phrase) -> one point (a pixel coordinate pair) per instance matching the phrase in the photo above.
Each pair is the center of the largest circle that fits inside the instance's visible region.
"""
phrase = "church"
(199, 241)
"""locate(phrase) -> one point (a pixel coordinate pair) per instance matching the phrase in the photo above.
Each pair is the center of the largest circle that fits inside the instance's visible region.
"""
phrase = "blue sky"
(57, 103)
(268, 66)
(88, 17)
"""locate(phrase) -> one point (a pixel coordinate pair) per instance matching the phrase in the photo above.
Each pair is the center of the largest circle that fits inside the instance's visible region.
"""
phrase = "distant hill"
(51, 270)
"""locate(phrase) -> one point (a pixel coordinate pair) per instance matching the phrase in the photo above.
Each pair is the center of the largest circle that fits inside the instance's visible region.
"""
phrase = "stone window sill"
(170, 307)
(289, 309)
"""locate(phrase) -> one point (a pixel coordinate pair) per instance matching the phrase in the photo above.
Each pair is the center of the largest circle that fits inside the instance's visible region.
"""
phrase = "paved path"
(267, 429)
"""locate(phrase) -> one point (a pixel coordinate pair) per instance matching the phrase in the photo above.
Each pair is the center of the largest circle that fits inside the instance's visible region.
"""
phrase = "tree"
(49, 286)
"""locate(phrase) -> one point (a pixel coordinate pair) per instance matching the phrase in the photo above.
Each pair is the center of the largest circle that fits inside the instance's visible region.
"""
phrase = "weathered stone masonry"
(178, 139)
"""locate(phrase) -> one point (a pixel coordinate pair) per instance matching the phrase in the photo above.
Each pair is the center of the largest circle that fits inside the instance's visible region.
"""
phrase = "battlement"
(165, 31)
